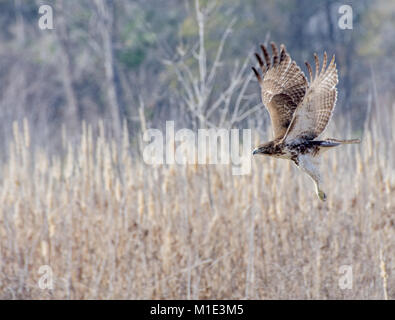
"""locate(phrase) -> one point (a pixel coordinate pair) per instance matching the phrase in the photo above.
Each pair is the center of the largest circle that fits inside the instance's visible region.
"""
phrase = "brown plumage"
(315, 111)
(283, 87)
(300, 111)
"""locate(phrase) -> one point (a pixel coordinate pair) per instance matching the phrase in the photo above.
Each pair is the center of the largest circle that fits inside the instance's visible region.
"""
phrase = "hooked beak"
(255, 151)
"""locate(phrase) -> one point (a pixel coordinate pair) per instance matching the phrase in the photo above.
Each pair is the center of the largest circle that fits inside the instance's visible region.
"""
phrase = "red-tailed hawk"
(299, 110)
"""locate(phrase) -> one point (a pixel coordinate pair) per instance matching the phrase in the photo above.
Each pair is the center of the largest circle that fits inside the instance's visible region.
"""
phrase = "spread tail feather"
(328, 143)
(351, 141)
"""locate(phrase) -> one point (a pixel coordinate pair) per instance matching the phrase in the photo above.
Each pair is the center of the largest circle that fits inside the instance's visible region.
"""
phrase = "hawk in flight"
(299, 110)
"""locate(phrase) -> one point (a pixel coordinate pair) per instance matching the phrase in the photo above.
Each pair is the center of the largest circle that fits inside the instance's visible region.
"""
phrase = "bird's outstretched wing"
(313, 114)
(283, 86)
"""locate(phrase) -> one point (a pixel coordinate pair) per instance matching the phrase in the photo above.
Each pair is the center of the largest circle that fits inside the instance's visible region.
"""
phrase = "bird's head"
(265, 149)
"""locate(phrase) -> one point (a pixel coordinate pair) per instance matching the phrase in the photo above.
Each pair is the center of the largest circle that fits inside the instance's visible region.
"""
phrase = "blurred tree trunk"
(328, 11)
(21, 42)
(71, 112)
(105, 11)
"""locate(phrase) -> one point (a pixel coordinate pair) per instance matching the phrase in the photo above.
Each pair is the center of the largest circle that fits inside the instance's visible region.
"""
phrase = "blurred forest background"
(114, 59)
(76, 197)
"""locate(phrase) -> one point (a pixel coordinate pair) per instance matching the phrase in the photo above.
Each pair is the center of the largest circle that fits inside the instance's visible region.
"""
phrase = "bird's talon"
(322, 195)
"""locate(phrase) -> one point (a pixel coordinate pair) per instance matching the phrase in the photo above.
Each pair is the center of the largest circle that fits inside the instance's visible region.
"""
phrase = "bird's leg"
(308, 165)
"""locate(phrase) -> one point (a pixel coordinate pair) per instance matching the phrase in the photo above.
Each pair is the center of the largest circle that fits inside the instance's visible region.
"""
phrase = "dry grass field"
(111, 227)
